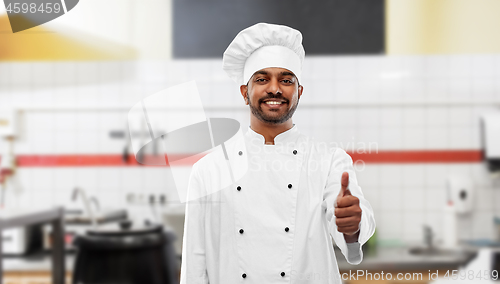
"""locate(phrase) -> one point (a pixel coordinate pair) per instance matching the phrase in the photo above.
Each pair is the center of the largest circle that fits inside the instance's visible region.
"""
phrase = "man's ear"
(244, 93)
(301, 89)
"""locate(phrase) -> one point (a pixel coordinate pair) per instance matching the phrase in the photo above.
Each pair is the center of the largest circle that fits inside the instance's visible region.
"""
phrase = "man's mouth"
(274, 102)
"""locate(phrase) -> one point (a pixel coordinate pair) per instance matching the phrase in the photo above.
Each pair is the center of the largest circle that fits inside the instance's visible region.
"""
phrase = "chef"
(274, 225)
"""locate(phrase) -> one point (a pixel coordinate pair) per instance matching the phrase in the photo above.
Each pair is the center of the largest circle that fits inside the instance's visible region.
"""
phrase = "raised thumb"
(344, 181)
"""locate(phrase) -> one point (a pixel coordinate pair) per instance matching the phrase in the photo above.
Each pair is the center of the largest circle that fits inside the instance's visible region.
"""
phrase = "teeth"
(273, 103)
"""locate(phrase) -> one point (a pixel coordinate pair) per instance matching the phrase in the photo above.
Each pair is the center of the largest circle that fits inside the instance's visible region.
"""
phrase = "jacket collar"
(288, 136)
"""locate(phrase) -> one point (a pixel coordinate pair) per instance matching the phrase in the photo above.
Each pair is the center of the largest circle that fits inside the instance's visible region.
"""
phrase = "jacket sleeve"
(342, 162)
(194, 268)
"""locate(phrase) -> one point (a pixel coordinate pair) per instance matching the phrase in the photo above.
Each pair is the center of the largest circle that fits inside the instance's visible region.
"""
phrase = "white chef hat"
(261, 46)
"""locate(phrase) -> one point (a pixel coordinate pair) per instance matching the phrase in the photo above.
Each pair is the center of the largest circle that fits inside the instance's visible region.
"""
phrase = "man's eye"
(287, 81)
(260, 80)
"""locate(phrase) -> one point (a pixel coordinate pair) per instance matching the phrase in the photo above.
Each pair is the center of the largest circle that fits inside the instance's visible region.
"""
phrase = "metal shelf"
(54, 217)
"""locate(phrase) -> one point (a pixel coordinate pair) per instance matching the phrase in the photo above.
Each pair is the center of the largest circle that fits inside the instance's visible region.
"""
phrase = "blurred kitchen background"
(410, 88)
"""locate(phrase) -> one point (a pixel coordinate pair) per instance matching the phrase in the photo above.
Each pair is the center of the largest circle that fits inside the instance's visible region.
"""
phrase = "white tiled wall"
(397, 103)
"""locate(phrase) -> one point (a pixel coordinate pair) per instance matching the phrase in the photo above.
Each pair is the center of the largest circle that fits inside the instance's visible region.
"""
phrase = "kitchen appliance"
(490, 134)
(126, 254)
(21, 240)
(461, 193)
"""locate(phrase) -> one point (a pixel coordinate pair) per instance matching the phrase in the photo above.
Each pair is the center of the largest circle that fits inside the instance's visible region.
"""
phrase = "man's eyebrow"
(286, 73)
(261, 72)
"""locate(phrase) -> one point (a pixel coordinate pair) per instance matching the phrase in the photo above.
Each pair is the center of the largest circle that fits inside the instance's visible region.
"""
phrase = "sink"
(435, 251)
(75, 217)
(442, 253)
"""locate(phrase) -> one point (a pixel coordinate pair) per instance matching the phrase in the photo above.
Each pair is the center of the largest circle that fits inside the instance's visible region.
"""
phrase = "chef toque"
(261, 46)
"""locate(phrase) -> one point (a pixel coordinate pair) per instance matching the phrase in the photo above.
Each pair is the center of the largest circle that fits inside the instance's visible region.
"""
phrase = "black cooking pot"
(127, 255)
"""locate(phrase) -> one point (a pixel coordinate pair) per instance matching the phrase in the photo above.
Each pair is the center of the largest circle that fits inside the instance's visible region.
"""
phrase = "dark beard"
(257, 111)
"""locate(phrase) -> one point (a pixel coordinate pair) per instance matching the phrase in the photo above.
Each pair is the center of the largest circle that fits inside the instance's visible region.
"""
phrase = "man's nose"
(273, 87)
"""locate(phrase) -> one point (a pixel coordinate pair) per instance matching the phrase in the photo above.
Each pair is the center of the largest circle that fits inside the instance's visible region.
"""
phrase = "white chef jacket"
(275, 224)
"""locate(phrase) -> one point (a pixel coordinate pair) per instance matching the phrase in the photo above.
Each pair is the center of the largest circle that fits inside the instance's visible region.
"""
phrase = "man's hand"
(347, 211)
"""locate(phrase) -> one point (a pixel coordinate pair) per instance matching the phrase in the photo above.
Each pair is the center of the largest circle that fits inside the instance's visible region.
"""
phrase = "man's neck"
(269, 131)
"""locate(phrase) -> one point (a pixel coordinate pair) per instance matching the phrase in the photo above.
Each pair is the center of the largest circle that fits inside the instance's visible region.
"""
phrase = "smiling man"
(274, 225)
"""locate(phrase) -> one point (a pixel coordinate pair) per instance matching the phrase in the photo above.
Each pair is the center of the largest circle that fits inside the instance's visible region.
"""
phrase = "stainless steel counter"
(36, 262)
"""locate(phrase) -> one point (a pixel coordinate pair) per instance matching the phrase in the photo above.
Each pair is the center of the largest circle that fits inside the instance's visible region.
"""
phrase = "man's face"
(272, 94)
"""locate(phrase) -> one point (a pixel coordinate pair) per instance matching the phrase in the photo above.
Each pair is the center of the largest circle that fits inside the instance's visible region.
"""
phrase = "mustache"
(273, 96)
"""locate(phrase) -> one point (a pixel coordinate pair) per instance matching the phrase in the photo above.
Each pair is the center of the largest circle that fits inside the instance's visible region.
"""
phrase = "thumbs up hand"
(347, 211)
